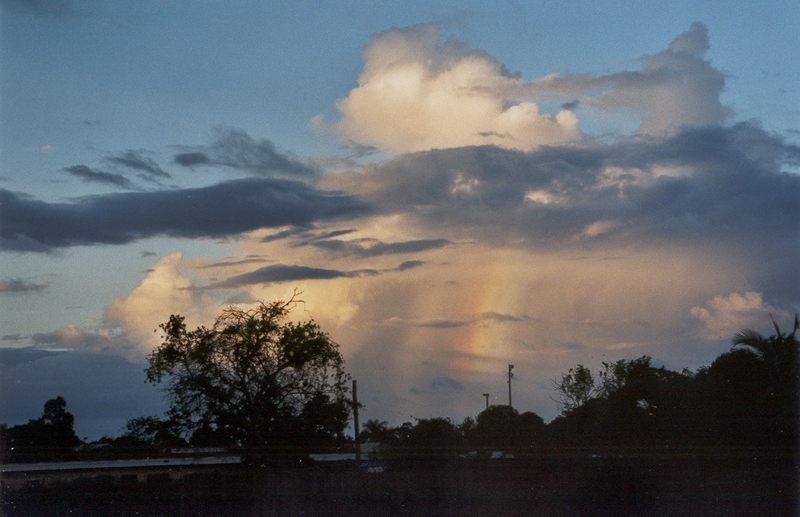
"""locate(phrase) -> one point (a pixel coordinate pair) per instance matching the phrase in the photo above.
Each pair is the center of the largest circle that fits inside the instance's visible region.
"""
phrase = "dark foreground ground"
(741, 483)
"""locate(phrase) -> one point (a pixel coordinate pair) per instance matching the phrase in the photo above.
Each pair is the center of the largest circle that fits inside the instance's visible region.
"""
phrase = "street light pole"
(486, 396)
(510, 375)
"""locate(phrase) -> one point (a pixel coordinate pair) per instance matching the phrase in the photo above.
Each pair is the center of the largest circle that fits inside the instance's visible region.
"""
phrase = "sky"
(451, 186)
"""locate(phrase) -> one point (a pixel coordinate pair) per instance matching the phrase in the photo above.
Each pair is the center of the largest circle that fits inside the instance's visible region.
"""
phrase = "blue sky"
(537, 183)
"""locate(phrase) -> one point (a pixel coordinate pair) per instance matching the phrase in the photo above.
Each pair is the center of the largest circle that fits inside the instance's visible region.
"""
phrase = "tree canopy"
(253, 378)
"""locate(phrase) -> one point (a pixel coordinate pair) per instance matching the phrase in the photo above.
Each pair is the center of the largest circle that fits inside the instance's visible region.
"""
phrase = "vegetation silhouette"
(254, 379)
(49, 437)
(632, 438)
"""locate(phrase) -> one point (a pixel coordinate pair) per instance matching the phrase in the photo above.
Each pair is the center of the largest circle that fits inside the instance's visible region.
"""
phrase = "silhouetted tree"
(632, 403)
(151, 430)
(529, 429)
(433, 435)
(375, 430)
(253, 376)
(496, 425)
(575, 388)
(751, 392)
(49, 436)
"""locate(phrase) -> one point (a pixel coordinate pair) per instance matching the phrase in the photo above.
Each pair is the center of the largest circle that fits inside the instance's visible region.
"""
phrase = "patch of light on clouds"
(463, 184)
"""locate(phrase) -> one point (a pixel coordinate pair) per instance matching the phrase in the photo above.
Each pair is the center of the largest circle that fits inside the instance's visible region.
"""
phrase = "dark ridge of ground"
(739, 484)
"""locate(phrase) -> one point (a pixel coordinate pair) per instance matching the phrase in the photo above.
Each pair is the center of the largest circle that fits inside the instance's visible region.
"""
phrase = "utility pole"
(486, 396)
(355, 421)
(510, 375)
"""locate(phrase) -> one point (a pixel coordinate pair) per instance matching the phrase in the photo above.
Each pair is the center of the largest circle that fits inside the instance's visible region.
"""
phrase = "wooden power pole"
(510, 375)
(355, 421)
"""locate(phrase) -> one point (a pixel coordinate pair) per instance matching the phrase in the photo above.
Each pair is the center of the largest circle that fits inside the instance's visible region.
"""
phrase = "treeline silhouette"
(746, 398)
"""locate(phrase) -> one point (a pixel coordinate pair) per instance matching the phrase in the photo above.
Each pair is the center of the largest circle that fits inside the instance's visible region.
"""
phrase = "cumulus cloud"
(674, 88)
(443, 94)
(224, 209)
(128, 326)
(164, 291)
(72, 337)
(89, 175)
(440, 95)
(235, 149)
(723, 316)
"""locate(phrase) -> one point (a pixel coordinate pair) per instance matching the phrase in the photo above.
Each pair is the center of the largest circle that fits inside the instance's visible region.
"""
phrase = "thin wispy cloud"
(46, 8)
(89, 175)
(364, 248)
(281, 273)
(477, 319)
(235, 149)
(16, 285)
(139, 161)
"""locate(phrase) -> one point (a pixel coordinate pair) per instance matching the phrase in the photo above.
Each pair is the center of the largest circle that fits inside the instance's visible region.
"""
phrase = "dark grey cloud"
(16, 285)
(288, 273)
(146, 254)
(440, 384)
(89, 175)
(409, 264)
(232, 263)
(571, 105)
(500, 317)
(138, 160)
(359, 150)
(12, 337)
(221, 210)
(285, 234)
(192, 159)
(305, 235)
(15, 356)
(278, 273)
(459, 323)
(712, 183)
(235, 149)
(49, 8)
(363, 248)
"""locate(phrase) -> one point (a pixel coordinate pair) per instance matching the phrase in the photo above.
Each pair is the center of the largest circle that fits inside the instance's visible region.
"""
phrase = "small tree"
(253, 376)
(575, 388)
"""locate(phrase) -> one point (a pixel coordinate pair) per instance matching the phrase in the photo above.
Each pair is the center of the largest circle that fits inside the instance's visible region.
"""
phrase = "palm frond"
(746, 337)
(775, 324)
(749, 338)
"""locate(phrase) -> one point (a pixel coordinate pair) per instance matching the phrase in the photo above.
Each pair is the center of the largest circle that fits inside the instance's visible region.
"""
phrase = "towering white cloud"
(417, 94)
